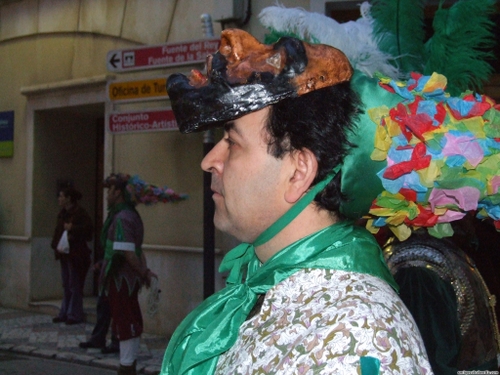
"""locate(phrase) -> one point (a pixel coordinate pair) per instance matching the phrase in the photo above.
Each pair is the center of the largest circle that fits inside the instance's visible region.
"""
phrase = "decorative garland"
(137, 191)
(443, 157)
(142, 192)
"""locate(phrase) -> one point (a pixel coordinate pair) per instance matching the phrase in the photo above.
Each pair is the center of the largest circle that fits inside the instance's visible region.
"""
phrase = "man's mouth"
(216, 190)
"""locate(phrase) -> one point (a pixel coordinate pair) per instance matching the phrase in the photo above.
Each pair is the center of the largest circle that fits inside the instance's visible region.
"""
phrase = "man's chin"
(222, 223)
(218, 222)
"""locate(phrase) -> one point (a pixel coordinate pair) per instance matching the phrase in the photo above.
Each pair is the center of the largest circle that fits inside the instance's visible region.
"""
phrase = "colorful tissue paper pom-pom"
(443, 157)
(148, 194)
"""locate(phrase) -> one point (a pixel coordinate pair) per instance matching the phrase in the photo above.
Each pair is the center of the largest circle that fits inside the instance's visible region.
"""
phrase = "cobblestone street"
(34, 334)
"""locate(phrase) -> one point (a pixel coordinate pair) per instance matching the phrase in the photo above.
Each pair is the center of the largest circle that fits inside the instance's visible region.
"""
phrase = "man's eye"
(229, 141)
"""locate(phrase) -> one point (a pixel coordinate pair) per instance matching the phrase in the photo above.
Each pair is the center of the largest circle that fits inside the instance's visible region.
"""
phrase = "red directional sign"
(166, 55)
(144, 121)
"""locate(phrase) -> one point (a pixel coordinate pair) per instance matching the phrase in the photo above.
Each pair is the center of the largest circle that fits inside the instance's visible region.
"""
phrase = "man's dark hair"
(319, 121)
(118, 180)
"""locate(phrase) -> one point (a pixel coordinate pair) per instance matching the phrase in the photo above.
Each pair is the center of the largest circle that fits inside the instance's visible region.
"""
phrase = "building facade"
(55, 76)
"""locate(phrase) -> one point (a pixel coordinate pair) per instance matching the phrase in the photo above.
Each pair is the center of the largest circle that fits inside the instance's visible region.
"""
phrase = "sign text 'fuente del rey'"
(166, 55)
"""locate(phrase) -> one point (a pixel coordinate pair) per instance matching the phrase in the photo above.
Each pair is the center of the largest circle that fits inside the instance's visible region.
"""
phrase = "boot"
(127, 370)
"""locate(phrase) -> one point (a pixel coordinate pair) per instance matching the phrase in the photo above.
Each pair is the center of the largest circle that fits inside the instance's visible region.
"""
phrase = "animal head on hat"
(245, 75)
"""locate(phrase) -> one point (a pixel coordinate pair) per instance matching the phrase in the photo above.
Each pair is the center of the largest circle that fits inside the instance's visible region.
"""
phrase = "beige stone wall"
(45, 41)
(142, 21)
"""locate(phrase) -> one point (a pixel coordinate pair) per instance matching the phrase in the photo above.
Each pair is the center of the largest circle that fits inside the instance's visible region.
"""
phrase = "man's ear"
(305, 167)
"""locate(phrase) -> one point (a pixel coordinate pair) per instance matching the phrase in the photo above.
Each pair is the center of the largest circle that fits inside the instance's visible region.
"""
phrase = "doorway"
(68, 147)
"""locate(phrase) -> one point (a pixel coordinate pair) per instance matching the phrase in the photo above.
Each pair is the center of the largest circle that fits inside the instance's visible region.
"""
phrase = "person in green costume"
(308, 292)
(124, 269)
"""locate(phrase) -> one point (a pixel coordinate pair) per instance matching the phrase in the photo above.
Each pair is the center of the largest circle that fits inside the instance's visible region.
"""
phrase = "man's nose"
(213, 161)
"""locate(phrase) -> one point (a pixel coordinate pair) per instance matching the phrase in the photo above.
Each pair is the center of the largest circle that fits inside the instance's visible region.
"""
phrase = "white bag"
(63, 245)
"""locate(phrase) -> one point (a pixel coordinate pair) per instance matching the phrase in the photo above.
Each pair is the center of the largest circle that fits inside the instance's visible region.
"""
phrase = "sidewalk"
(34, 334)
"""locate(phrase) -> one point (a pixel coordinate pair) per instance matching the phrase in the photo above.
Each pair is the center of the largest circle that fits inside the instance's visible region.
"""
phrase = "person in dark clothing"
(103, 321)
(75, 223)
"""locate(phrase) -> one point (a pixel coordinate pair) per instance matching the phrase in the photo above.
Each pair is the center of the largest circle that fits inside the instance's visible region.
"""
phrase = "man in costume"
(307, 291)
(124, 270)
(438, 155)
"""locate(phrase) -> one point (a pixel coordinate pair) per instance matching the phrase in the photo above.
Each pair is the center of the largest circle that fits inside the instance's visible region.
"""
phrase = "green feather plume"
(274, 35)
(399, 31)
(461, 44)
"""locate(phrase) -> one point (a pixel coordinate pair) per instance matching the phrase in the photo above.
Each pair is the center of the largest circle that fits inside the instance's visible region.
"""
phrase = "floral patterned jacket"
(322, 322)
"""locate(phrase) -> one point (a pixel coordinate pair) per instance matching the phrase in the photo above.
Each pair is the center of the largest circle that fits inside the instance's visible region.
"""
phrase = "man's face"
(248, 183)
(112, 195)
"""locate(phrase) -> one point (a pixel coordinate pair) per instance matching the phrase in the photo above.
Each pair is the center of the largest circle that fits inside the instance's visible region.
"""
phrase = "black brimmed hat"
(245, 75)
